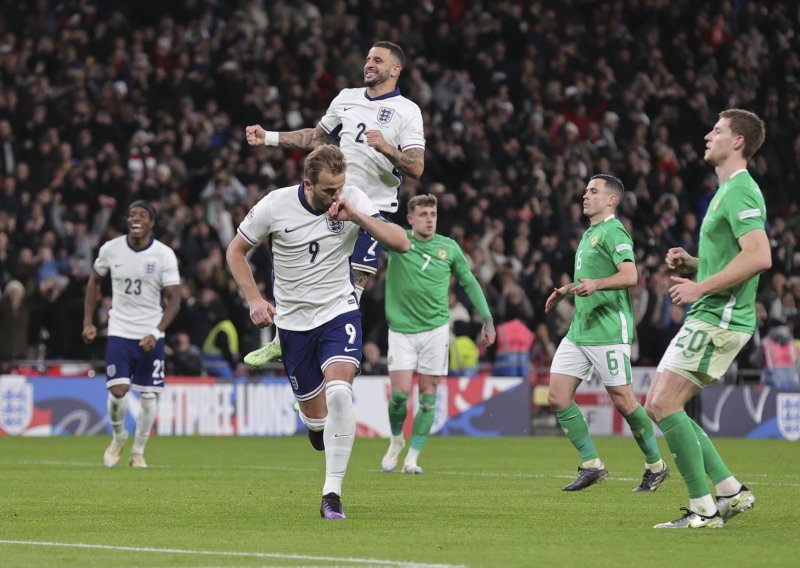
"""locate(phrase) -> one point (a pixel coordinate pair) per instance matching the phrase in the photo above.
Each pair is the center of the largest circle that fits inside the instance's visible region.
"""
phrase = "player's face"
(328, 188)
(423, 222)
(380, 67)
(596, 198)
(720, 142)
(140, 225)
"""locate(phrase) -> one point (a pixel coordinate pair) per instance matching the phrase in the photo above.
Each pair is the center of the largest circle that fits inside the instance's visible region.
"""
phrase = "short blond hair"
(424, 200)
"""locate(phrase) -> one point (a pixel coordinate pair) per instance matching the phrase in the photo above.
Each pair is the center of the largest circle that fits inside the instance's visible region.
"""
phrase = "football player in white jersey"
(140, 268)
(312, 229)
(382, 136)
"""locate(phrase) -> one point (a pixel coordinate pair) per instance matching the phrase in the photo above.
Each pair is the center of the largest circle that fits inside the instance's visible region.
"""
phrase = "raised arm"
(410, 162)
(305, 139)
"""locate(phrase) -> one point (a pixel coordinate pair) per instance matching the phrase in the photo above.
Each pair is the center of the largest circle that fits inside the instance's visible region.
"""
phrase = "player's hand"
(262, 313)
(148, 343)
(684, 291)
(679, 259)
(553, 299)
(255, 135)
(89, 333)
(342, 210)
(375, 139)
(488, 333)
(587, 287)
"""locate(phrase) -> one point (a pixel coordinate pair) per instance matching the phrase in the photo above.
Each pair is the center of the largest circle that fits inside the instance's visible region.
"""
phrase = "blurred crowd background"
(103, 103)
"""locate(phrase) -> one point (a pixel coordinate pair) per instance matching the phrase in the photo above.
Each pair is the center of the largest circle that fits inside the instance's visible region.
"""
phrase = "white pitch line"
(775, 480)
(370, 561)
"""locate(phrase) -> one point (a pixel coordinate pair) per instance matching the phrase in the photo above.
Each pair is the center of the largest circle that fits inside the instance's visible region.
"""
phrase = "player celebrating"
(600, 336)
(733, 250)
(140, 267)
(382, 137)
(417, 310)
(313, 229)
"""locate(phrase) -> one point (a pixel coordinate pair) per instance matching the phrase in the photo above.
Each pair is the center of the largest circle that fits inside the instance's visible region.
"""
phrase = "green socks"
(714, 466)
(574, 426)
(642, 429)
(679, 430)
(397, 412)
(423, 421)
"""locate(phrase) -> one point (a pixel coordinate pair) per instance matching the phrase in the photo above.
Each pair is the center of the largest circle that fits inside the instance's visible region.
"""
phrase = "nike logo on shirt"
(347, 108)
(349, 349)
(288, 230)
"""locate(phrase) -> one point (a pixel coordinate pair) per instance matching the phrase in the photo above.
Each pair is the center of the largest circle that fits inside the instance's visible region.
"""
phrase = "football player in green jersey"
(733, 251)
(600, 336)
(417, 311)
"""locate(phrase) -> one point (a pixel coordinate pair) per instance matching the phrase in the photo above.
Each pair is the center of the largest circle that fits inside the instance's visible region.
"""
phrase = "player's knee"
(361, 278)
(557, 401)
(148, 399)
(653, 409)
(339, 396)
(118, 391)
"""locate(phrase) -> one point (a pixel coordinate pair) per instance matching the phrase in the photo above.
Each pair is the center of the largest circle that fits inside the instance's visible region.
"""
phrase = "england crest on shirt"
(385, 114)
(788, 411)
(334, 226)
(16, 404)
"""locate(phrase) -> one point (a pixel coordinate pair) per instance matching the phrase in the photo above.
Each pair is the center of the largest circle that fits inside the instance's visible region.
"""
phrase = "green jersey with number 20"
(605, 317)
(737, 208)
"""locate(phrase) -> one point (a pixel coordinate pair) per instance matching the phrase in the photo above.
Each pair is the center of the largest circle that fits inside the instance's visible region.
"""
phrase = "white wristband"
(157, 333)
(271, 138)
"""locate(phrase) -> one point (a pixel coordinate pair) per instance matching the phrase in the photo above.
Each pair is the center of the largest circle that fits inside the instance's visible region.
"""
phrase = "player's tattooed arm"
(410, 163)
(305, 139)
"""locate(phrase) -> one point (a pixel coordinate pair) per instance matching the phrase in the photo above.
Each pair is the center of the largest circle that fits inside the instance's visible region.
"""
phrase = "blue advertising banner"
(751, 412)
(205, 406)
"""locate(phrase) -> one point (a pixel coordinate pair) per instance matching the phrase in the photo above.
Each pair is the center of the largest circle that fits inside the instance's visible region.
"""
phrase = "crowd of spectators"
(102, 103)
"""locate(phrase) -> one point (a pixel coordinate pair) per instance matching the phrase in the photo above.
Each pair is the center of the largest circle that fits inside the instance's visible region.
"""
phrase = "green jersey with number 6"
(418, 285)
(737, 208)
(605, 317)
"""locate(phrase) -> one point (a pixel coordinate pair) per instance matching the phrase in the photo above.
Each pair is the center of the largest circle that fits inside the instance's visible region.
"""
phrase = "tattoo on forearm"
(409, 161)
(306, 139)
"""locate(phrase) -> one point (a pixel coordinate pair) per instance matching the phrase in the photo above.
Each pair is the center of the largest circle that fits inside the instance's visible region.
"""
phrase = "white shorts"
(702, 352)
(425, 352)
(611, 362)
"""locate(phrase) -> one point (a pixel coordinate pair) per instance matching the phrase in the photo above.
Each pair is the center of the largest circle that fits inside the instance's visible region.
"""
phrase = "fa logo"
(593, 241)
(293, 380)
(150, 268)
(385, 114)
(334, 226)
(441, 253)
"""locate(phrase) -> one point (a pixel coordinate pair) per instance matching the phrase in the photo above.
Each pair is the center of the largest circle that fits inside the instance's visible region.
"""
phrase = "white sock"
(144, 422)
(117, 407)
(655, 467)
(314, 424)
(596, 463)
(704, 505)
(396, 440)
(340, 433)
(359, 291)
(728, 486)
(277, 339)
(411, 457)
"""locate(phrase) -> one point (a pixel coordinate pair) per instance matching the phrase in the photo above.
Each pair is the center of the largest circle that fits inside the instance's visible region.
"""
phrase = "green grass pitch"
(481, 502)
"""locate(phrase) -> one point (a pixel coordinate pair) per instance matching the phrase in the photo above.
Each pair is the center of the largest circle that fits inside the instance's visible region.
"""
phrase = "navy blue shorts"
(129, 364)
(306, 354)
(366, 254)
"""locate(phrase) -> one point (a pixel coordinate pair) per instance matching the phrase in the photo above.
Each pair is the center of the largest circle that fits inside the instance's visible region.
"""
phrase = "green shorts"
(702, 352)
